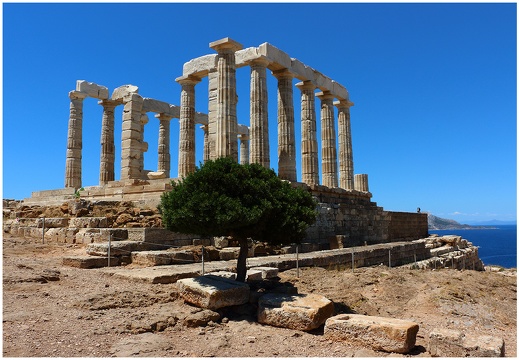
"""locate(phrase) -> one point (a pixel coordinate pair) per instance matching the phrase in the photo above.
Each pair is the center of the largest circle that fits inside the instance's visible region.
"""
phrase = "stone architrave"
(286, 132)
(328, 144)
(227, 98)
(244, 149)
(346, 174)
(74, 140)
(186, 152)
(164, 157)
(107, 163)
(131, 138)
(259, 132)
(378, 333)
(309, 146)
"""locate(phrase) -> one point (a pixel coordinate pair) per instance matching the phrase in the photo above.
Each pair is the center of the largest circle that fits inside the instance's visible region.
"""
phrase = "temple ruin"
(345, 208)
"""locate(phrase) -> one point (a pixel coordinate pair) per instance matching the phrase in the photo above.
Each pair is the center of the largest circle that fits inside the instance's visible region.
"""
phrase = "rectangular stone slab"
(298, 312)
(378, 333)
(453, 343)
(213, 292)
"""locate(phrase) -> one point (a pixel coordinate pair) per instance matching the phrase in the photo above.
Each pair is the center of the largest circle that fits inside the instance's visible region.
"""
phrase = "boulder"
(377, 333)
(298, 312)
(213, 292)
(453, 343)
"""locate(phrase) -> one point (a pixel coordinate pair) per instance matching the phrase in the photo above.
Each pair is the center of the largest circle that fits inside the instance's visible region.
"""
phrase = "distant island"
(437, 223)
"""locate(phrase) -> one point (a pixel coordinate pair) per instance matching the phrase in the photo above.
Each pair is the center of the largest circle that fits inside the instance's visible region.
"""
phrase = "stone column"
(212, 112)
(106, 168)
(286, 133)
(328, 143)
(131, 138)
(144, 145)
(207, 151)
(309, 146)
(164, 157)
(345, 149)
(244, 149)
(259, 131)
(226, 121)
(186, 144)
(361, 182)
(74, 140)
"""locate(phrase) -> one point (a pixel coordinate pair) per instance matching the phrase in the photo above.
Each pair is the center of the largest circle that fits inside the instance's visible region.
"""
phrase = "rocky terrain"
(54, 311)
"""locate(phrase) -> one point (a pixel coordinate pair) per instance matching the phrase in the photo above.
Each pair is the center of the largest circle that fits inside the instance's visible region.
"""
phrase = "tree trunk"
(241, 267)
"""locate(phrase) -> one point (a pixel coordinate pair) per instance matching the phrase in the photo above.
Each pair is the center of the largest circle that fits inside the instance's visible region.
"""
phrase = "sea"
(497, 246)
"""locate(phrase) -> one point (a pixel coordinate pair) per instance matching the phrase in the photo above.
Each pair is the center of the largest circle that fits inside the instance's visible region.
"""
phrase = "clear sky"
(434, 85)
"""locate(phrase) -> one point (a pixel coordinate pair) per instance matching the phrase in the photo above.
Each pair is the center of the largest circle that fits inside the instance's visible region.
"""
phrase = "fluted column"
(132, 145)
(346, 175)
(144, 144)
(186, 151)
(212, 108)
(361, 182)
(74, 140)
(164, 155)
(226, 121)
(309, 146)
(328, 143)
(106, 167)
(207, 151)
(244, 149)
(259, 132)
(286, 133)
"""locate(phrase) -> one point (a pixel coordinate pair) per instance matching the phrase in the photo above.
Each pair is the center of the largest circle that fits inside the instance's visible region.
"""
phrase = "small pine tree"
(224, 198)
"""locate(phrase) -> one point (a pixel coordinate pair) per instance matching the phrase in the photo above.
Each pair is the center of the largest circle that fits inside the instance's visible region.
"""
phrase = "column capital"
(77, 95)
(108, 103)
(225, 44)
(325, 95)
(188, 80)
(163, 116)
(306, 85)
(282, 73)
(343, 103)
(261, 61)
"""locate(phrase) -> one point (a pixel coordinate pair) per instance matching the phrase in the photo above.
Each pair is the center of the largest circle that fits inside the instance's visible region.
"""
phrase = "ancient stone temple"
(345, 205)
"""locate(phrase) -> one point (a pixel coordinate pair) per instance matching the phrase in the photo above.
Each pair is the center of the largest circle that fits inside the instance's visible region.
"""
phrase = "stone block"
(254, 275)
(339, 91)
(298, 312)
(151, 258)
(301, 71)
(453, 343)
(378, 333)
(153, 175)
(244, 56)
(200, 66)
(89, 222)
(156, 106)
(275, 55)
(266, 272)
(201, 242)
(221, 242)
(52, 222)
(92, 90)
(123, 93)
(224, 274)
(213, 292)
(229, 253)
(89, 262)
(181, 257)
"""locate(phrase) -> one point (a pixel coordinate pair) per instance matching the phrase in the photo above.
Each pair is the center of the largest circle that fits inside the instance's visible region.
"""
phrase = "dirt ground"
(55, 311)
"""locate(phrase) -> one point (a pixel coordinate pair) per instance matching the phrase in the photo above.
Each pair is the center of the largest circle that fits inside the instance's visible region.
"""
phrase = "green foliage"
(77, 193)
(224, 198)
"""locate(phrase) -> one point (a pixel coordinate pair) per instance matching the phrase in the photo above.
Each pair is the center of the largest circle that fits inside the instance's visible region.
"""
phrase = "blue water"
(496, 246)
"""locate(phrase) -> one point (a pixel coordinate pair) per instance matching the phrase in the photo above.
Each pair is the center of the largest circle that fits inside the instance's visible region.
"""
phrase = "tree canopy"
(224, 198)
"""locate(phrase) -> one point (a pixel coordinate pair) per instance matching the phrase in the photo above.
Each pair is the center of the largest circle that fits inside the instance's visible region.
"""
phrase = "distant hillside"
(437, 223)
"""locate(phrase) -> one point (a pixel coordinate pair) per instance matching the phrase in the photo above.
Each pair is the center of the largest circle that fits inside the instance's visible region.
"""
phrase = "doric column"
(74, 140)
(226, 121)
(207, 153)
(144, 144)
(259, 131)
(309, 146)
(212, 108)
(106, 168)
(131, 139)
(328, 143)
(361, 182)
(164, 157)
(186, 144)
(345, 149)
(244, 149)
(286, 133)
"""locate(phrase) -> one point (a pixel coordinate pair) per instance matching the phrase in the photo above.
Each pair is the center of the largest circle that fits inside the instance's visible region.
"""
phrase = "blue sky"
(434, 85)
